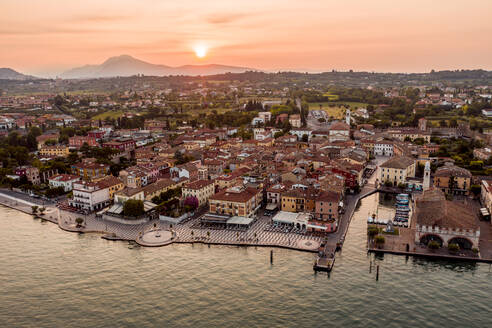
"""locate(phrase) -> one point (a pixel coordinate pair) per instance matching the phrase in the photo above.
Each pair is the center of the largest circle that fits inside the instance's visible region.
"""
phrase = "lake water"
(52, 278)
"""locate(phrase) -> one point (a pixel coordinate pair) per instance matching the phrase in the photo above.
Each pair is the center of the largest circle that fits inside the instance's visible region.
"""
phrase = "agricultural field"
(336, 109)
(109, 115)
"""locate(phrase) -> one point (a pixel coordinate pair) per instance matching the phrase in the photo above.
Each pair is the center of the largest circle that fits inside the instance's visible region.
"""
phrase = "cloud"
(225, 18)
(94, 18)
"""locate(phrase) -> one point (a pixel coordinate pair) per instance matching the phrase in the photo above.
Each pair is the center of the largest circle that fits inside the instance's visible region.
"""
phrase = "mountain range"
(10, 74)
(125, 65)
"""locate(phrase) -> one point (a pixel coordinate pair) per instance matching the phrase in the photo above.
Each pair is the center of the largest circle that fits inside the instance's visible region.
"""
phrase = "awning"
(316, 226)
(271, 207)
(240, 220)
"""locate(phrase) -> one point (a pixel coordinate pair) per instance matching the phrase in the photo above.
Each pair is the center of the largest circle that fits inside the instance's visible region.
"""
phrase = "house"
(266, 116)
(31, 173)
(162, 185)
(125, 194)
(187, 170)
(88, 169)
(45, 137)
(113, 184)
(339, 131)
(397, 169)
(452, 179)
(79, 141)
(121, 145)
(446, 222)
(89, 196)
(64, 181)
(326, 207)
(295, 121)
(54, 151)
(301, 132)
(299, 200)
(383, 148)
(202, 190)
(236, 201)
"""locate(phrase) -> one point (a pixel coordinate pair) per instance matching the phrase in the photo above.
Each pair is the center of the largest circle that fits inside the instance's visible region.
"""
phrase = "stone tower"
(427, 175)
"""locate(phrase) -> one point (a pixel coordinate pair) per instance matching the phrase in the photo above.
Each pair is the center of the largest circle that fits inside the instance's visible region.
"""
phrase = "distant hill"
(10, 74)
(127, 66)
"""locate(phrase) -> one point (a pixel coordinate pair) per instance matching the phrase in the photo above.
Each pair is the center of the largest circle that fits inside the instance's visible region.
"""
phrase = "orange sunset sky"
(47, 36)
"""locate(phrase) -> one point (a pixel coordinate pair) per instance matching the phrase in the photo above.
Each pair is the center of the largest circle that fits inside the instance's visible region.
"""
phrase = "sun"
(200, 50)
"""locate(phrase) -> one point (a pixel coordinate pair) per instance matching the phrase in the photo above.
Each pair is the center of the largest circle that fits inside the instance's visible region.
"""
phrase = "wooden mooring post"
(377, 273)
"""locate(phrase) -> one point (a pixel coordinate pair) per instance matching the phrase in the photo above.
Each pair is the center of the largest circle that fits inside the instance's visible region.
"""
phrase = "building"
(410, 133)
(383, 148)
(79, 141)
(427, 172)
(64, 181)
(155, 189)
(339, 131)
(266, 116)
(422, 124)
(88, 169)
(31, 173)
(444, 221)
(122, 196)
(121, 145)
(113, 184)
(397, 169)
(326, 207)
(202, 190)
(54, 151)
(452, 179)
(236, 201)
(299, 200)
(482, 153)
(295, 121)
(486, 195)
(89, 196)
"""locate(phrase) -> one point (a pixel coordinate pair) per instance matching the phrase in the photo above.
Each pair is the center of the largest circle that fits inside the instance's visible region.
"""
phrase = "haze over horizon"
(45, 38)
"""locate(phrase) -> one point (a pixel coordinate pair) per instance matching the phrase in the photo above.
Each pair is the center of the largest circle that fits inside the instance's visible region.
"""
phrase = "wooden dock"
(324, 264)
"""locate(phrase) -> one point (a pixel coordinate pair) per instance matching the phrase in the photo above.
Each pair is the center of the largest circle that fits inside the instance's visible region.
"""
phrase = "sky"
(46, 37)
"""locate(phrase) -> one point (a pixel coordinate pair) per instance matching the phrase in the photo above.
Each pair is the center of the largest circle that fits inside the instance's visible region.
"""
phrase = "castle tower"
(427, 175)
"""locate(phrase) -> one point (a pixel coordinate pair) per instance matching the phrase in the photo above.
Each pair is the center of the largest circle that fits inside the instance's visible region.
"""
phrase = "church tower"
(427, 175)
(347, 117)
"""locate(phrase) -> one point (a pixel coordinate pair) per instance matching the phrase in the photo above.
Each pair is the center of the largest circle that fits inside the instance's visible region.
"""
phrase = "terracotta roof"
(452, 170)
(198, 184)
(401, 162)
(432, 209)
(230, 195)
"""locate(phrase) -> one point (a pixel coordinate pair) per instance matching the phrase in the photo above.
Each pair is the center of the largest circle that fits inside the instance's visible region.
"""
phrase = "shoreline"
(108, 235)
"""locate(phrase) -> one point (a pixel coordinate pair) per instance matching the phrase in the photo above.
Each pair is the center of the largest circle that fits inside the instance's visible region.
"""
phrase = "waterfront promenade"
(189, 232)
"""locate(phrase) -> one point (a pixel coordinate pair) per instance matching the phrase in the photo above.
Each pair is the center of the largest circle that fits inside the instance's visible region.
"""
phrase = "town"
(256, 159)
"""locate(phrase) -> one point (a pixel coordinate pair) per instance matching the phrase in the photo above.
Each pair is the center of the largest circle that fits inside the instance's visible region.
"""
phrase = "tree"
(34, 209)
(133, 207)
(79, 222)
(372, 231)
(305, 138)
(475, 189)
(192, 202)
(453, 248)
(379, 240)
(41, 210)
(433, 245)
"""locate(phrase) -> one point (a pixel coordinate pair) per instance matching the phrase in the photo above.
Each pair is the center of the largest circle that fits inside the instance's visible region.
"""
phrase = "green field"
(336, 109)
(109, 115)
